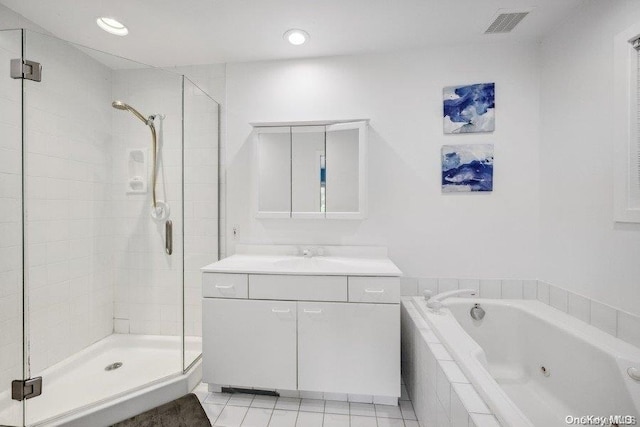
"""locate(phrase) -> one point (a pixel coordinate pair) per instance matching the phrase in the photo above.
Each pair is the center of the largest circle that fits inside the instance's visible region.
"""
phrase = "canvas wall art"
(469, 109)
(467, 168)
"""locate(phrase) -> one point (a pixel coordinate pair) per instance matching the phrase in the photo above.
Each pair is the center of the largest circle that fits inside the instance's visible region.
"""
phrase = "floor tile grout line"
(349, 414)
(245, 414)
(271, 416)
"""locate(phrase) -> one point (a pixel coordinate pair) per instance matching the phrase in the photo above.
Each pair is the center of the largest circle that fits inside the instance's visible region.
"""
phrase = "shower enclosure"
(102, 231)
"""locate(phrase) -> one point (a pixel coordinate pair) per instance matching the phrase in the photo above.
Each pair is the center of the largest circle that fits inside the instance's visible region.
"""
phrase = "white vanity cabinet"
(323, 333)
(253, 345)
(349, 348)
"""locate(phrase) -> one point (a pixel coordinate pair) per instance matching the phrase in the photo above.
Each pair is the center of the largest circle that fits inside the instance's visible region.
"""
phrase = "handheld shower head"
(119, 105)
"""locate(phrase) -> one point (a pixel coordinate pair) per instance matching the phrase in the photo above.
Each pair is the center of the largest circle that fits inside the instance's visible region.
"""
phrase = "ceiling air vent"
(506, 22)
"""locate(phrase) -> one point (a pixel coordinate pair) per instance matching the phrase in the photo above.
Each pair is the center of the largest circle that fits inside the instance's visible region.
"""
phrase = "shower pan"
(99, 303)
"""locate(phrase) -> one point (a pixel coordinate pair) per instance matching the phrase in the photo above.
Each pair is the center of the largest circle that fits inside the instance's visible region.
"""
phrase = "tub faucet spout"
(435, 302)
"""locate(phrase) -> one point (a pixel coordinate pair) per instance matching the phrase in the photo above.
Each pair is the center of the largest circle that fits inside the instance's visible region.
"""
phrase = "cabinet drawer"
(298, 288)
(374, 289)
(221, 285)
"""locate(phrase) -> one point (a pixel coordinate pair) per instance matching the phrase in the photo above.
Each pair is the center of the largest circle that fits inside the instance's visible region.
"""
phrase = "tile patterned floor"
(243, 410)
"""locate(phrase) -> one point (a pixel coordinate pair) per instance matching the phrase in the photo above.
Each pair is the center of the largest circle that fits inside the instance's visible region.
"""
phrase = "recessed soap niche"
(137, 169)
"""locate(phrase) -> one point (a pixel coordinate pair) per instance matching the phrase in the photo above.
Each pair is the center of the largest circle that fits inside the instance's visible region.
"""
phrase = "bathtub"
(534, 365)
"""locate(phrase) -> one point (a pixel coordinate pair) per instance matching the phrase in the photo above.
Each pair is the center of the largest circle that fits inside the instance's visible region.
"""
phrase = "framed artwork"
(469, 109)
(467, 168)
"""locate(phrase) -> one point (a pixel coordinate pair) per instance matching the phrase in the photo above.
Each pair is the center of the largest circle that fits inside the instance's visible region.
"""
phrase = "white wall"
(427, 233)
(582, 249)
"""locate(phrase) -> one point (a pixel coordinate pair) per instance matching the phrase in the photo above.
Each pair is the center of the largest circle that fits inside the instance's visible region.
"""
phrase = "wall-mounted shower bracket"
(25, 69)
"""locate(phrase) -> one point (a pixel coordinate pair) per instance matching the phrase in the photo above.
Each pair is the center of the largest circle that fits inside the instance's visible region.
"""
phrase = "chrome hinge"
(26, 389)
(25, 69)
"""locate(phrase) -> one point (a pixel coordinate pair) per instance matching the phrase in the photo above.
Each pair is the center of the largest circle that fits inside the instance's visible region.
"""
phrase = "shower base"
(149, 364)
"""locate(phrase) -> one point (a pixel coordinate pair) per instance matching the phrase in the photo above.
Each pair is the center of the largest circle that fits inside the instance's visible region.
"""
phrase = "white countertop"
(317, 265)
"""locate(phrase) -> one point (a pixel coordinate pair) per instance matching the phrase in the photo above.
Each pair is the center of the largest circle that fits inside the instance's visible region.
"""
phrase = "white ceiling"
(184, 32)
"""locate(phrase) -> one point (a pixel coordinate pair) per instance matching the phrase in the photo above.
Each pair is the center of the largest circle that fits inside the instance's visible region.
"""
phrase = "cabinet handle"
(275, 310)
(374, 291)
(312, 311)
(224, 286)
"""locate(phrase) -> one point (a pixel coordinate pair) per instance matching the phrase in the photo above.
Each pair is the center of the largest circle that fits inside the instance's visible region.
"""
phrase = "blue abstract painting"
(467, 168)
(470, 108)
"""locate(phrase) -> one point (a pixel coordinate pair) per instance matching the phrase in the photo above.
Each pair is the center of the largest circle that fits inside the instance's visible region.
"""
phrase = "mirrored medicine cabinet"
(311, 169)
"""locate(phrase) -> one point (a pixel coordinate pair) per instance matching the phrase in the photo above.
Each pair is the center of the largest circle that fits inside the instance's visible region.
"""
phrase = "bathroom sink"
(303, 263)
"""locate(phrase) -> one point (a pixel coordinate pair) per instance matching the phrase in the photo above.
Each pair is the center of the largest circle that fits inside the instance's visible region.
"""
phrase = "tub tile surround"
(615, 322)
(441, 393)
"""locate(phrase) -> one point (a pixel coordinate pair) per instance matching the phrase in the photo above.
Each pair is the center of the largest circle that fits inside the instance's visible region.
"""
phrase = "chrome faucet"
(435, 302)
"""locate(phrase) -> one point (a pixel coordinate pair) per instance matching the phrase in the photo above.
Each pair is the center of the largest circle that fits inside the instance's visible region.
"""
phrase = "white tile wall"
(490, 288)
(200, 198)
(67, 143)
(604, 317)
(579, 306)
(512, 289)
(558, 298)
(615, 322)
(212, 80)
(629, 328)
(530, 289)
(148, 291)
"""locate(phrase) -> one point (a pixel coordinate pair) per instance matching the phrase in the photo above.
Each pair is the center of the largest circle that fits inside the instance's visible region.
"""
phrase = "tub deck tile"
(470, 399)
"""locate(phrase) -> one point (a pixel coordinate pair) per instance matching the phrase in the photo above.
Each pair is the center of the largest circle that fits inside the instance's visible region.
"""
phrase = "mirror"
(274, 164)
(343, 163)
(312, 170)
(308, 184)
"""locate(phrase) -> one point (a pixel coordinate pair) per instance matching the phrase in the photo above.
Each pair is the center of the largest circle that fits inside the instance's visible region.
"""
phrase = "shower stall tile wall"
(68, 236)
(147, 295)
(147, 300)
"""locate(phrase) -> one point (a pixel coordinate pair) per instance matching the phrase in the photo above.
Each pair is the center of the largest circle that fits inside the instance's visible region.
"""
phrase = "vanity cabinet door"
(349, 348)
(249, 343)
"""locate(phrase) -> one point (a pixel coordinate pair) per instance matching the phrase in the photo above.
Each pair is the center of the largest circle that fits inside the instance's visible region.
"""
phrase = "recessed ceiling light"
(296, 37)
(113, 26)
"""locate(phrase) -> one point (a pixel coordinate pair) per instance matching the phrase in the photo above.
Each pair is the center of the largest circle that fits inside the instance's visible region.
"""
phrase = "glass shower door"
(104, 288)
(11, 241)
(200, 177)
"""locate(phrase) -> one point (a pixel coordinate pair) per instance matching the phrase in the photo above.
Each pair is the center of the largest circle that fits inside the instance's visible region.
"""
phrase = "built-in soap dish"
(137, 171)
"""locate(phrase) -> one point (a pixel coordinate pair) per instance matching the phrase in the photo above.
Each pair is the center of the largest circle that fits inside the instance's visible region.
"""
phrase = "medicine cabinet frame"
(283, 176)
